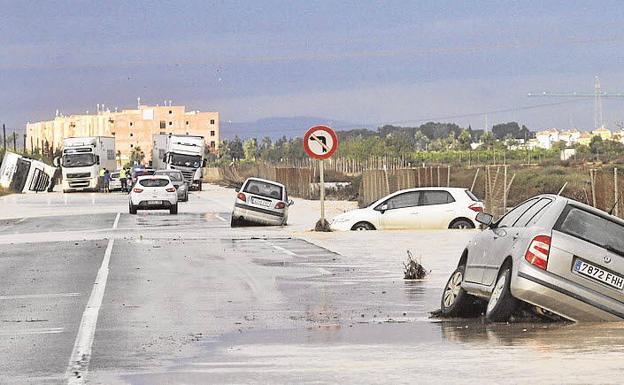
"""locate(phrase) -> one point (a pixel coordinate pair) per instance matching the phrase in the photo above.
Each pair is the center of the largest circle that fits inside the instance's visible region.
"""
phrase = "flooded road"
(190, 301)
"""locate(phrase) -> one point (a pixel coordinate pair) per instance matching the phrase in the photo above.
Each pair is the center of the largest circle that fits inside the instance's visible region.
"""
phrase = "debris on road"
(413, 268)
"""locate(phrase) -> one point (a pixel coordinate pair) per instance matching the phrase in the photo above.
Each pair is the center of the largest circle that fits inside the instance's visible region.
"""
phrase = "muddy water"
(358, 322)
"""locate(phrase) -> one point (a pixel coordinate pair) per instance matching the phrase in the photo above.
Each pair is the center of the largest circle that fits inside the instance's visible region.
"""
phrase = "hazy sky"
(368, 62)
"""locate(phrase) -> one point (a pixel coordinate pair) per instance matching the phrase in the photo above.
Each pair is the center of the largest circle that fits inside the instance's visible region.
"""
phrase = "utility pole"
(14, 141)
(24, 148)
(4, 136)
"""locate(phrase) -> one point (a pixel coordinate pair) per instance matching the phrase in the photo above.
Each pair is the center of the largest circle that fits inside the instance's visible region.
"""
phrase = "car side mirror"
(97, 159)
(484, 218)
(204, 163)
(57, 161)
(383, 208)
(291, 202)
(237, 189)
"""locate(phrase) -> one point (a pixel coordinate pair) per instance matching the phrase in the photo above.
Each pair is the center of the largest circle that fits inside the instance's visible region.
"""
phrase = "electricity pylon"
(598, 94)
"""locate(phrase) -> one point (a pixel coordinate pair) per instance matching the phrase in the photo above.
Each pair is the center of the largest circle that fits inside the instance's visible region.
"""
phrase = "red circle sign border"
(314, 155)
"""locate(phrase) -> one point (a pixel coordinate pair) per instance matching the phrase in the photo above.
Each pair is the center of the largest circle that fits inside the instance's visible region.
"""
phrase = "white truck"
(24, 175)
(180, 152)
(82, 160)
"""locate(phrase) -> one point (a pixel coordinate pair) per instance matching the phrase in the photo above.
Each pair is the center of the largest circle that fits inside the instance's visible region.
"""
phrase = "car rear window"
(592, 228)
(174, 176)
(264, 189)
(156, 182)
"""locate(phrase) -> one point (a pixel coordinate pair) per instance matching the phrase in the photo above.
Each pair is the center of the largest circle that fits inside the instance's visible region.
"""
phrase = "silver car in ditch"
(261, 201)
(556, 254)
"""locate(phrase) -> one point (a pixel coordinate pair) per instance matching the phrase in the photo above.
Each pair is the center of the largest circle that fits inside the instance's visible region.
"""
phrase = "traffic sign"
(320, 142)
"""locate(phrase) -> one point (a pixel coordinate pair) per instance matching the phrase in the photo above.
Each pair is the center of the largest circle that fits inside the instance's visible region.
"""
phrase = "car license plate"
(260, 202)
(601, 275)
(154, 203)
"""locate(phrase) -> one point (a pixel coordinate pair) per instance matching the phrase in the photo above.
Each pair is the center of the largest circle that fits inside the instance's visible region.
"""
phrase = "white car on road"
(417, 208)
(153, 192)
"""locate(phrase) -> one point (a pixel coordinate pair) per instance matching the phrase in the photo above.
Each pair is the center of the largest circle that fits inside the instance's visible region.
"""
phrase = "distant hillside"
(276, 127)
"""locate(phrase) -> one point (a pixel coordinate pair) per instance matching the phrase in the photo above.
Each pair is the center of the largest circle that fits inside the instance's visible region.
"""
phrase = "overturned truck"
(24, 175)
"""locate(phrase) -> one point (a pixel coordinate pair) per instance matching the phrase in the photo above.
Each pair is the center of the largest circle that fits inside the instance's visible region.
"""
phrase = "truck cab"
(82, 160)
(181, 152)
(24, 175)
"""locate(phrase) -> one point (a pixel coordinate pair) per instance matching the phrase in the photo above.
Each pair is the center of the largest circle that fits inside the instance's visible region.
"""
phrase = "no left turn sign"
(320, 142)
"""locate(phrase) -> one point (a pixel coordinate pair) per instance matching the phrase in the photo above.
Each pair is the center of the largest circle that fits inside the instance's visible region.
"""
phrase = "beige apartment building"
(131, 128)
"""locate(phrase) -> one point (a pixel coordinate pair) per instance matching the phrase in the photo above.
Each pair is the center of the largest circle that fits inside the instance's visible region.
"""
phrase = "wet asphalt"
(190, 301)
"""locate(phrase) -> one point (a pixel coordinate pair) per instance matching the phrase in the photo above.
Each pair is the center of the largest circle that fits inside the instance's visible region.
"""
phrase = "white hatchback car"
(261, 201)
(418, 208)
(153, 192)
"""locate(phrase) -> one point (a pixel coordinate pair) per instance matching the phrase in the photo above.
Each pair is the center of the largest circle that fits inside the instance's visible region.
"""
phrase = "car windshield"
(173, 175)
(264, 189)
(154, 182)
(186, 160)
(592, 228)
(78, 160)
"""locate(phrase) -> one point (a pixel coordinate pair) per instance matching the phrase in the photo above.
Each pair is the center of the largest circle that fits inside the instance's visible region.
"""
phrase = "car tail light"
(171, 189)
(137, 190)
(280, 205)
(476, 207)
(242, 197)
(537, 253)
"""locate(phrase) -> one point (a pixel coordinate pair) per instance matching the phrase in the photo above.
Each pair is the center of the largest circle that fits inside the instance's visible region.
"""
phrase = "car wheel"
(200, 185)
(362, 226)
(174, 209)
(501, 303)
(461, 224)
(132, 209)
(234, 222)
(455, 300)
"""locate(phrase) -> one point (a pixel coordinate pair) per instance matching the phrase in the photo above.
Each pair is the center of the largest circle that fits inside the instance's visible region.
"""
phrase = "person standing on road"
(123, 179)
(106, 181)
(101, 179)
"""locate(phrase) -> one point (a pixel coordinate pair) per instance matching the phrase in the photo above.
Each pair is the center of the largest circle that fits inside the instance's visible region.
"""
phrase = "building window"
(212, 133)
(170, 112)
(170, 123)
(132, 146)
(187, 122)
(212, 143)
(163, 124)
(112, 133)
(163, 133)
(212, 121)
(131, 134)
(131, 124)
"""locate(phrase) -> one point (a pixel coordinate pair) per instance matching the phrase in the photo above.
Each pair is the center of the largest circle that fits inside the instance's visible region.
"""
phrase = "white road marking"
(81, 354)
(10, 333)
(116, 221)
(283, 250)
(219, 217)
(35, 296)
(324, 271)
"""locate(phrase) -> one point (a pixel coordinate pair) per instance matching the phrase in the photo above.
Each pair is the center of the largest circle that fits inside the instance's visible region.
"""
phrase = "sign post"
(321, 142)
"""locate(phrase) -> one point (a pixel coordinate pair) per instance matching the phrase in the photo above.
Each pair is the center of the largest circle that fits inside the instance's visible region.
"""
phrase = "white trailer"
(24, 175)
(82, 160)
(180, 152)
